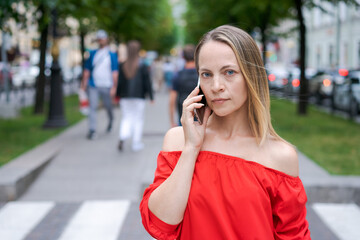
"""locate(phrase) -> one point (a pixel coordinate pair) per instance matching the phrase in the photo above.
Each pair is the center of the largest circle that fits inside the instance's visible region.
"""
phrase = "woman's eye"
(206, 74)
(230, 72)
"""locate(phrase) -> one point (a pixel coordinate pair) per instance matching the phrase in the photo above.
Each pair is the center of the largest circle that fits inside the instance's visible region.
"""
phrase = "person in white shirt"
(100, 79)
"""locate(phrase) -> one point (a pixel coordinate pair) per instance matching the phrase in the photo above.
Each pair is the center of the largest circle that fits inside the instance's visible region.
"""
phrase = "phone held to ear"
(200, 112)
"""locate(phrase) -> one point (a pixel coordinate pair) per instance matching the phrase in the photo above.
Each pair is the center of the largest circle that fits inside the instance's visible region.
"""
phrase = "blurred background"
(310, 49)
(318, 38)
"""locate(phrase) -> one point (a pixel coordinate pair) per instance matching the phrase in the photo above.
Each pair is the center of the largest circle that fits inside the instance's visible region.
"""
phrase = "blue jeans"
(94, 93)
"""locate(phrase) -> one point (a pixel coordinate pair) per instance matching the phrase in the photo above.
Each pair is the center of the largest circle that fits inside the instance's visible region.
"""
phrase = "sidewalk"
(76, 169)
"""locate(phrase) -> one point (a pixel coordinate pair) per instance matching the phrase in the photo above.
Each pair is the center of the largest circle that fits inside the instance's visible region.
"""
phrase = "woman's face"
(221, 79)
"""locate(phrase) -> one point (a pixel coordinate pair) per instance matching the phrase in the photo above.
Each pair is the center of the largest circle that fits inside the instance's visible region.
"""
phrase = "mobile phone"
(200, 112)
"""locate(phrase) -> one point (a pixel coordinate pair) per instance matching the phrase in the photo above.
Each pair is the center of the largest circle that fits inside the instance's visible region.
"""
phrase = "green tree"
(249, 15)
(9, 10)
(147, 21)
(83, 12)
(42, 18)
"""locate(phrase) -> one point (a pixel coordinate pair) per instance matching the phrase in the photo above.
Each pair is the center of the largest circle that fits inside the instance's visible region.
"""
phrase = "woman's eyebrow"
(229, 66)
(222, 68)
(204, 69)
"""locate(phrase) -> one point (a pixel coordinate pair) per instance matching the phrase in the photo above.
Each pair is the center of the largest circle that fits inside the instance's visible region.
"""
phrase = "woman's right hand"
(193, 131)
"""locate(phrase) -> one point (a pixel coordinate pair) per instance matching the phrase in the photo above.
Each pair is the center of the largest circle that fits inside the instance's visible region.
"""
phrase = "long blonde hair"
(251, 65)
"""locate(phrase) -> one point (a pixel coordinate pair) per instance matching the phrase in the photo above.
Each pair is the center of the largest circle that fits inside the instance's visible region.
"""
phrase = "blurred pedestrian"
(134, 86)
(182, 85)
(231, 177)
(157, 73)
(169, 70)
(100, 79)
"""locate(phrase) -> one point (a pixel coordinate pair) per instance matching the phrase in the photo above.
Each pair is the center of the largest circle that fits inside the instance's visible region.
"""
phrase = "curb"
(333, 194)
(320, 186)
(334, 189)
(17, 175)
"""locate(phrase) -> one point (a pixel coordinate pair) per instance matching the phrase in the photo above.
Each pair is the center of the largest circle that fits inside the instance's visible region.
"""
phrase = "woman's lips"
(219, 100)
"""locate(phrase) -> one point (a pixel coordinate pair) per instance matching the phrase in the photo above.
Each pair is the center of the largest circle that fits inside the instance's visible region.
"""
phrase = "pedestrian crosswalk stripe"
(97, 220)
(342, 219)
(17, 219)
(106, 220)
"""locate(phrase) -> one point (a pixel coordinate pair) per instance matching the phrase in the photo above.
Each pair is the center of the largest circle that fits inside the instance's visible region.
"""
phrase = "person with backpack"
(183, 83)
(100, 78)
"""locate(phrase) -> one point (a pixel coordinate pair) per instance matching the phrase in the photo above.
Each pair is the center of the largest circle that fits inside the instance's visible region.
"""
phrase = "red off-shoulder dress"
(231, 199)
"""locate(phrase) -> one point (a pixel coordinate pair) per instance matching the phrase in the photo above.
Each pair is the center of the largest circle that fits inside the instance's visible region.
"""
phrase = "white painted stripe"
(97, 220)
(342, 219)
(17, 219)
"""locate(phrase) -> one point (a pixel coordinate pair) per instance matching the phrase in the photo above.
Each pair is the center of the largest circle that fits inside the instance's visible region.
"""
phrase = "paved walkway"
(88, 175)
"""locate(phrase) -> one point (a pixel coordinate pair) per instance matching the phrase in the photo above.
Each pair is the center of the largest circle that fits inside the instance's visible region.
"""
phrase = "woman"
(133, 86)
(232, 177)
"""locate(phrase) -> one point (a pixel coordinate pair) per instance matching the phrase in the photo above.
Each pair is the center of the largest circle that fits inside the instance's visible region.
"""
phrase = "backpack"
(186, 82)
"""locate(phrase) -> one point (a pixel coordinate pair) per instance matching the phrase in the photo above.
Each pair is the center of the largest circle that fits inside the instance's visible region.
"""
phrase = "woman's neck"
(233, 125)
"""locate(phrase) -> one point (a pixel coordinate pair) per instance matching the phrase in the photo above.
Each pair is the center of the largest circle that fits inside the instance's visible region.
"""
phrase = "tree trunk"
(41, 79)
(303, 94)
(263, 28)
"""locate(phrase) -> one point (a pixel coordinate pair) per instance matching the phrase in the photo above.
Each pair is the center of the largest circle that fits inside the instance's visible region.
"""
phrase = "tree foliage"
(9, 9)
(203, 15)
(149, 21)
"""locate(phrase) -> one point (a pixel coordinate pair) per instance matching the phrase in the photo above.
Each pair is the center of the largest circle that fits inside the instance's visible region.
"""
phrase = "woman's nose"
(218, 84)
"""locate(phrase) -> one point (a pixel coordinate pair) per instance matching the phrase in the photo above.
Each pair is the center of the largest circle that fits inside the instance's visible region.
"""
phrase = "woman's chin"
(221, 113)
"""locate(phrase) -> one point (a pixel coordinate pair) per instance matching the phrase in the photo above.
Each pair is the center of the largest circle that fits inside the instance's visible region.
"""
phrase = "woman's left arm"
(288, 196)
(289, 210)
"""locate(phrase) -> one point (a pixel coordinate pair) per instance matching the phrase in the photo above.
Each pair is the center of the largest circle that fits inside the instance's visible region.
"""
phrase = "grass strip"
(25, 132)
(331, 141)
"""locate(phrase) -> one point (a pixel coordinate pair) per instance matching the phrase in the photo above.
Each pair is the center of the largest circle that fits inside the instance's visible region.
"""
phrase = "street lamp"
(56, 116)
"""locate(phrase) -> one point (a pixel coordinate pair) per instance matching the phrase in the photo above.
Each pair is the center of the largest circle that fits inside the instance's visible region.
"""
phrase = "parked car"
(277, 76)
(346, 96)
(24, 76)
(322, 83)
(293, 85)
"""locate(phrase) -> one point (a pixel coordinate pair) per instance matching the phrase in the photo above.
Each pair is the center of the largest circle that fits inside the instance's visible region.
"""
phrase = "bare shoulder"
(284, 157)
(174, 140)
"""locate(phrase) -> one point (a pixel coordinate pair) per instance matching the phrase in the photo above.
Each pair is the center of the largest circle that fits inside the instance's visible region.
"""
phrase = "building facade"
(333, 36)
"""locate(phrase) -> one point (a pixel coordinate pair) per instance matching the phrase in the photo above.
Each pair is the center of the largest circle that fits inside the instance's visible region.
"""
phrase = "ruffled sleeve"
(154, 226)
(289, 210)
